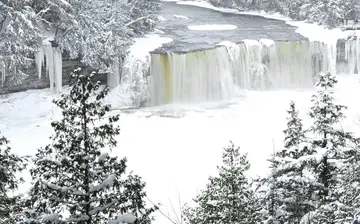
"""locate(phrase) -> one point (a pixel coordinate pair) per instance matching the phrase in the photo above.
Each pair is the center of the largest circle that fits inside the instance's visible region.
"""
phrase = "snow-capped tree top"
(19, 35)
(324, 111)
(294, 134)
(228, 197)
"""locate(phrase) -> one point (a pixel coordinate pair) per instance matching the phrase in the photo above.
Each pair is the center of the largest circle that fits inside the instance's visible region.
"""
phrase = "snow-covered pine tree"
(227, 198)
(10, 165)
(290, 176)
(269, 196)
(75, 178)
(19, 39)
(332, 146)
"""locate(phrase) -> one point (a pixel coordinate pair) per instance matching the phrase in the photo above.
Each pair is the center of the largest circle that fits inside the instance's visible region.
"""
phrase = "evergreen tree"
(270, 196)
(10, 164)
(19, 39)
(350, 191)
(75, 178)
(288, 189)
(332, 146)
(292, 178)
(227, 198)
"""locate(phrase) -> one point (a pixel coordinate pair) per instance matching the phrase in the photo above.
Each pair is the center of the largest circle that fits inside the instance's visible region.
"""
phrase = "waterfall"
(217, 74)
(191, 77)
(352, 55)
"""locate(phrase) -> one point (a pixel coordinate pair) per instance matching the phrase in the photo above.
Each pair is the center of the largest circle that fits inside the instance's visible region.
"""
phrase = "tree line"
(326, 12)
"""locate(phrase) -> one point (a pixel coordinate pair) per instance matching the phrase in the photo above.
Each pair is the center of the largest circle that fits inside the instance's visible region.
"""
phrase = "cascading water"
(217, 74)
(191, 77)
(352, 55)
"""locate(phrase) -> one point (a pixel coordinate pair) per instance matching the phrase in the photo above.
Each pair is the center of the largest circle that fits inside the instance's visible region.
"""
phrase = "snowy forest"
(326, 12)
(97, 32)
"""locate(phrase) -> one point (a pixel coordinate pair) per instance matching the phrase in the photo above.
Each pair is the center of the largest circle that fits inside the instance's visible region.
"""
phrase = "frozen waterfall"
(52, 58)
(352, 55)
(217, 74)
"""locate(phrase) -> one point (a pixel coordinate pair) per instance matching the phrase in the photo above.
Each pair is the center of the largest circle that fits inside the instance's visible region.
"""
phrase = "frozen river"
(209, 27)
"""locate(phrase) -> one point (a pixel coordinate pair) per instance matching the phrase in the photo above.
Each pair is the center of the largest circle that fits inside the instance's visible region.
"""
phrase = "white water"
(218, 74)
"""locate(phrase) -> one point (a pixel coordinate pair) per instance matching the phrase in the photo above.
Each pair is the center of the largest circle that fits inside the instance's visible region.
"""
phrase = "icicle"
(39, 59)
(49, 56)
(113, 78)
(57, 68)
(52, 58)
(3, 72)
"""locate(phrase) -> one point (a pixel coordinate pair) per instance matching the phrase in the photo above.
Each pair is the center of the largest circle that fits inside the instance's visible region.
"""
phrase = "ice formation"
(113, 78)
(216, 74)
(52, 58)
(3, 72)
(352, 56)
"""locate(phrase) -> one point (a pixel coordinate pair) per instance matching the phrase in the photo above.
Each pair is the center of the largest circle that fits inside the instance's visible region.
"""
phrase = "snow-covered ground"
(176, 147)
